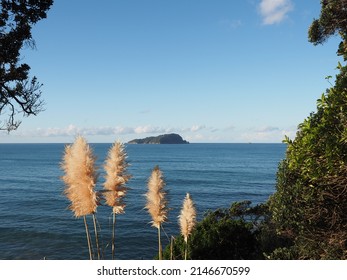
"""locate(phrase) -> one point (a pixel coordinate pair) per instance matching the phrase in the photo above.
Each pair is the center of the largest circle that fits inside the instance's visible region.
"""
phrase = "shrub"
(240, 232)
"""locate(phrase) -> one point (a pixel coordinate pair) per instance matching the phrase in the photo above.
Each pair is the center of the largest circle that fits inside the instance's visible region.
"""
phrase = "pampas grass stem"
(96, 236)
(160, 249)
(88, 238)
(156, 202)
(187, 220)
(113, 235)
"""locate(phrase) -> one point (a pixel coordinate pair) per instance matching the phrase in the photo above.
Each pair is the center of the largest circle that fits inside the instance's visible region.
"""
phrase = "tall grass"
(187, 220)
(157, 203)
(116, 178)
(80, 180)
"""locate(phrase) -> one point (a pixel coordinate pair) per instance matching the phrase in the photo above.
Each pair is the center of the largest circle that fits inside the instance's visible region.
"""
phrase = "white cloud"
(274, 11)
(149, 129)
(196, 128)
(267, 129)
(154, 129)
(72, 130)
(53, 132)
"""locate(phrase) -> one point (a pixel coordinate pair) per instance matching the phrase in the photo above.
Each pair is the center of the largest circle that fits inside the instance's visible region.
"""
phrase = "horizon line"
(247, 143)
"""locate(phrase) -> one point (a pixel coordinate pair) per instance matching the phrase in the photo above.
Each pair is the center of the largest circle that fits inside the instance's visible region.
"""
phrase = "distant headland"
(171, 138)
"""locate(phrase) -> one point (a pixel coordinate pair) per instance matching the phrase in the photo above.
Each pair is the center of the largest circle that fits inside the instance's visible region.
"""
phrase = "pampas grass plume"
(187, 217)
(80, 177)
(116, 177)
(156, 201)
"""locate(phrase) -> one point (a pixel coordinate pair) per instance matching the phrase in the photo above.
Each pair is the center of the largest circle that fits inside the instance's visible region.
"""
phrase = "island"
(171, 138)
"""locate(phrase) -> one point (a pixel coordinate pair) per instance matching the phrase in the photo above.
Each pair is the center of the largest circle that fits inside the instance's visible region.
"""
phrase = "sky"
(213, 71)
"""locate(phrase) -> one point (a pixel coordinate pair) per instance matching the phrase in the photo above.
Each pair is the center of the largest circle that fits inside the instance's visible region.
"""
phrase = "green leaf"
(339, 65)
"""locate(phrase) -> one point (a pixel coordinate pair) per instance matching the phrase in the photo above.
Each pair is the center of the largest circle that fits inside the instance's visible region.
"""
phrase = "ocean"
(36, 224)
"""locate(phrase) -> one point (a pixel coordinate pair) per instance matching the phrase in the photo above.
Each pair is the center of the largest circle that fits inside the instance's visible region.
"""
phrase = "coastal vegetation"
(310, 203)
(223, 234)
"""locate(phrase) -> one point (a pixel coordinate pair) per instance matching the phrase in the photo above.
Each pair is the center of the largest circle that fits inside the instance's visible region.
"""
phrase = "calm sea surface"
(35, 222)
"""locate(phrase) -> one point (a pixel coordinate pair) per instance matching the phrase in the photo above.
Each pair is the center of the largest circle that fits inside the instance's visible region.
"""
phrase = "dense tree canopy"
(332, 20)
(18, 92)
(310, 203)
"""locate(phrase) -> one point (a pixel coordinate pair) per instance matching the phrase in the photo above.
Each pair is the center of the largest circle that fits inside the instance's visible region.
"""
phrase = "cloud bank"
(274, 11)
(73, 130)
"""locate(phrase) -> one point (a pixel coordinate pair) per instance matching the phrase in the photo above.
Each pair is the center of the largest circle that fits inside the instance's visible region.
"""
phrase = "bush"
(240, 232)
(309, 205)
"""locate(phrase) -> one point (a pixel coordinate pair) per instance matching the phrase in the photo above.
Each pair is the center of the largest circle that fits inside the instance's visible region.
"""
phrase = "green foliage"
(283, 253)
(218, 237)
(240, 232)
(309, 205)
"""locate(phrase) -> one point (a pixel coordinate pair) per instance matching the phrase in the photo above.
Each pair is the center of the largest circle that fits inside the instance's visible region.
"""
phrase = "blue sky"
(212, 71)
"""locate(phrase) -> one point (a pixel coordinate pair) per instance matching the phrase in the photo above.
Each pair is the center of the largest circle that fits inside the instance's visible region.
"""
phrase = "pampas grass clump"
(156, 202)
(80, 177)
(187, 220)
(116, 178)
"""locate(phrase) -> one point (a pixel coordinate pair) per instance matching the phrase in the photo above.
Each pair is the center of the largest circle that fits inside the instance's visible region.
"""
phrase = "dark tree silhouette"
(18, 92)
